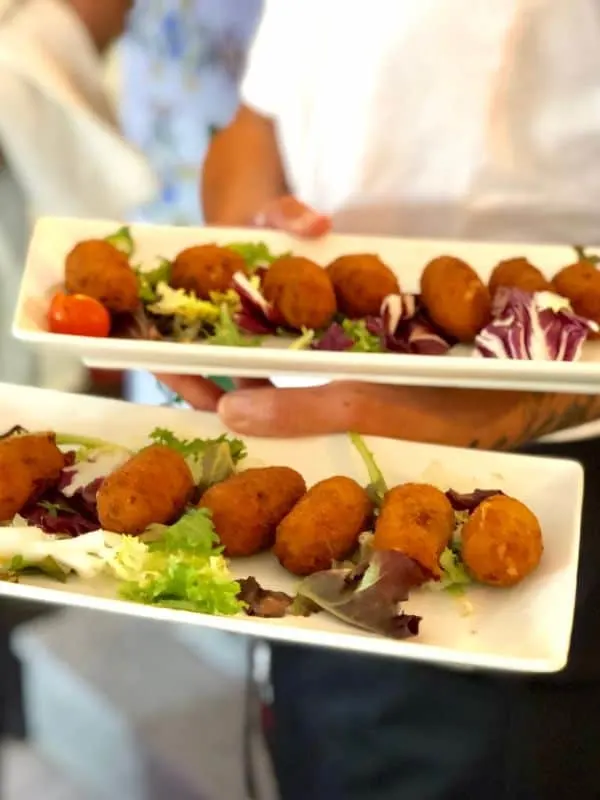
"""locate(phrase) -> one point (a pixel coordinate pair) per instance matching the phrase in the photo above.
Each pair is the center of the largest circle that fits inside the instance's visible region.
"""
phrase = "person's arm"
(538, 415)
(487, 420)
(104, 19)
(490, 420)
(242, 171)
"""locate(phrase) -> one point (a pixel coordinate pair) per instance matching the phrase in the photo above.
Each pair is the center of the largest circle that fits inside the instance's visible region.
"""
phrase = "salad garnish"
(540, 326)
(255, 254)
(210, 460)
(377, 487)
(122, 240)
(227, 333)
(370, 595)
(584, 255)
(150, 280)
(184, 569)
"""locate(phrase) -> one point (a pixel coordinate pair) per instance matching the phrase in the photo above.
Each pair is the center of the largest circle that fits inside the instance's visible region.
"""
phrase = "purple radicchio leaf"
(407, 329)
(470, 500)
(397, 308)
(334, 338)
(55, 513)
(423, 340)
(68, 472)
(271, 604)
(263, 602)
(369, 596)
(533, 326)
(257, 315)
(136, 325)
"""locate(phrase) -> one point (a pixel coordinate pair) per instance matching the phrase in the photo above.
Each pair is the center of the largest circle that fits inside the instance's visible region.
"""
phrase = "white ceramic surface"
(507, 629)
(53, 238)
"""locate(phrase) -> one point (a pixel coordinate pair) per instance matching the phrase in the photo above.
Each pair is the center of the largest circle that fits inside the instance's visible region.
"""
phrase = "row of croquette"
(309, 529)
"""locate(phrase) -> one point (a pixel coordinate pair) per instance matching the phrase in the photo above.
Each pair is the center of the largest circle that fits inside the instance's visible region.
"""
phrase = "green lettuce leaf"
(226, 332)
(364, 340)
(255, 254)
(86, 446)
(148, 280)
(183, 569)
(455, 577)
(210, 460)
(377, 487)
(584, 255)
(304, 341)
(122, 240)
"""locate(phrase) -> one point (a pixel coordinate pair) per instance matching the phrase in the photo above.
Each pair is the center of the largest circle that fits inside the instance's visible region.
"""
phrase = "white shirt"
(469, 119)
(60, 153)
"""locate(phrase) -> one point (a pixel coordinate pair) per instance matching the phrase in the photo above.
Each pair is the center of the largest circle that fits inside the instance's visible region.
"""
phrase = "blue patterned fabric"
(181, 65)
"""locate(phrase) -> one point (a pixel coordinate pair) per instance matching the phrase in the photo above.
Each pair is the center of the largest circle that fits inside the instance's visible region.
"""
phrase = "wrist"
(462, 417)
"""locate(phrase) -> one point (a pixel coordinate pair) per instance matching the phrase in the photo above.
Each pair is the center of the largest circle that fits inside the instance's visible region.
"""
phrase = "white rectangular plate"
(53, 238)
(506, 630)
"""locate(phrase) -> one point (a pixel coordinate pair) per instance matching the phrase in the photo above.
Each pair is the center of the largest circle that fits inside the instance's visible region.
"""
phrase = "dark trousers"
(12, 614)
(349, 727)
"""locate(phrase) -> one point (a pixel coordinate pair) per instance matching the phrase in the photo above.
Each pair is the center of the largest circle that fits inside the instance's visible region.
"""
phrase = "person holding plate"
(434, 119)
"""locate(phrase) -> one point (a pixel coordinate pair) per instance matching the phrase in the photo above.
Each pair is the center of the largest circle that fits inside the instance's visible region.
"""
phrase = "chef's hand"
(284, 214)
(459, 417)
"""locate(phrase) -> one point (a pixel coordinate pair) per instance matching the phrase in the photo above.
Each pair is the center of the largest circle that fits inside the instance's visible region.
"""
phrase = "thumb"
(290, 215)
(333, 408)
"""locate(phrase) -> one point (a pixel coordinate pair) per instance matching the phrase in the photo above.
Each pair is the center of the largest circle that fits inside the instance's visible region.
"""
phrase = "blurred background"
(92, 707)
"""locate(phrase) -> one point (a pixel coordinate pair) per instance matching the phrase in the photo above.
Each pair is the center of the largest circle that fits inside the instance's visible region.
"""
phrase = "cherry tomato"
(78, 315)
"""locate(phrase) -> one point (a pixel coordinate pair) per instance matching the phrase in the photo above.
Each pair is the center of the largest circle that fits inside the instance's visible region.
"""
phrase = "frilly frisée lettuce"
(255, 254)
(210, 460)
(178, 302)
(227, 333)
(183, 568)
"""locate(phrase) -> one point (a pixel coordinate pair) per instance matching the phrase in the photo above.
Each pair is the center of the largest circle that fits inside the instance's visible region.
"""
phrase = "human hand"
(291, 216)
(459, 417)
(257, 408)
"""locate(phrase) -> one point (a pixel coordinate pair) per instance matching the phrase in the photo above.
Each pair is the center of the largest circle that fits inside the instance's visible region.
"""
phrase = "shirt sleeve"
(266, 82)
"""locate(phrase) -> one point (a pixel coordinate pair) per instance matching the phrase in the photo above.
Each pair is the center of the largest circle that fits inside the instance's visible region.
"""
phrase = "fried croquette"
(152, 487)
(323, 526)
(501, 541)
(248, 507)
(301, 292)
(97, 269)
(418, 520)
(456, 298)
(361, 284)
(206, 268)
(580, 284)
(517, 273)
(29, 464)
